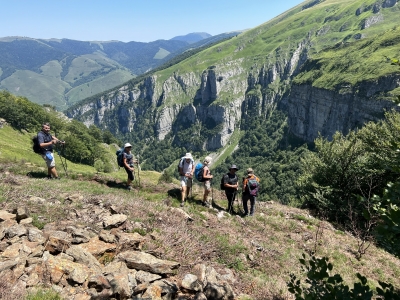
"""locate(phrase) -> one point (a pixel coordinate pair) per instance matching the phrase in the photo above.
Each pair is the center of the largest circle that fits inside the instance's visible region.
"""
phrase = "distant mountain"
(192, 37)
(62, 72)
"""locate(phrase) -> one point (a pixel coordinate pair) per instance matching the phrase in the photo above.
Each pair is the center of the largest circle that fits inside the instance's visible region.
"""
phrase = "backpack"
(198, 172)
(253, 186)
(36, 146)
(222, 184)
(182, 160)
(120, 155)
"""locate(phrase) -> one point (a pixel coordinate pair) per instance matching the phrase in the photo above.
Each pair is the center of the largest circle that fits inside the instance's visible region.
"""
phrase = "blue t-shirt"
(45, 138)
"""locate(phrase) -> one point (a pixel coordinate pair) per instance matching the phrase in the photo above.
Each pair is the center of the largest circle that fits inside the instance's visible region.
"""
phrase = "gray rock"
(78, 235)
(218, 291)
(114, 221)
(190, 282)
(35, 235)
(147, 262)
(26, 221)
(107, 237)
(143, 276)
(58, 241)
(16, 230)
(22, 213)
(8, 264)
(83, 257)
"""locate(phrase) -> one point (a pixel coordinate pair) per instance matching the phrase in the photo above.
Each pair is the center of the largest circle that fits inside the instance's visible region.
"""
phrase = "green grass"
(43, 294)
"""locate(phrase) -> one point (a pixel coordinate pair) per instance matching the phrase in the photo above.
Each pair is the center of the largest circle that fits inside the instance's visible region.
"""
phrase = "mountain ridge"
(109, 63)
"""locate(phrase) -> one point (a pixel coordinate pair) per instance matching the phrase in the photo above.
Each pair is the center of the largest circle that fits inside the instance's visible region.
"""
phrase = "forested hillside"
(82, 144)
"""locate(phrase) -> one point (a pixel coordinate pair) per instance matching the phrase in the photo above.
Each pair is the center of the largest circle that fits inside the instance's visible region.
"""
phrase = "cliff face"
(223, 96)
(313, 111)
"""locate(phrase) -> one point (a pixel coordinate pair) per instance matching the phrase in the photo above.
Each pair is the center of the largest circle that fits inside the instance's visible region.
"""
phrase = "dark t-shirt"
(45, 138)
(230, 179)
(129, 158)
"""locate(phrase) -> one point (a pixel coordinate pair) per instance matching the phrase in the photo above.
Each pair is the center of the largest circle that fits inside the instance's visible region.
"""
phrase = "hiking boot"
(129, 188)
(182, 204)
(48, 178)
(58, 178)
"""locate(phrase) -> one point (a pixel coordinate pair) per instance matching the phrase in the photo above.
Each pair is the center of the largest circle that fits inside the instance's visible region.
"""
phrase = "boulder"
(58, 241)
(83, 257)
(190, 282)
(218, 291)
(97, 248)
(147, 262)
(143, 276)
(114, 221)
(5, 215)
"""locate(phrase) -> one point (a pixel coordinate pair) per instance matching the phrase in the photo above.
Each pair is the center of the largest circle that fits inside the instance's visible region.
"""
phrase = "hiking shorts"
(207, 185)
(185, 181)
(131, 176)
(50, 163)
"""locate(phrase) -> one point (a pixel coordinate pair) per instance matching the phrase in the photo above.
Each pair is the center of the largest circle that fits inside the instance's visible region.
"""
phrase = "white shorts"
(50, 163)
(207, 185)
(185, 181)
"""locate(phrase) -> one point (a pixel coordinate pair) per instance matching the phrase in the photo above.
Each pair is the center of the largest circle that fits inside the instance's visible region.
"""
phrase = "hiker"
(250, 191)
(127, 159)
(207, 180)
(231, 187)
(186, 170)
(46, 142)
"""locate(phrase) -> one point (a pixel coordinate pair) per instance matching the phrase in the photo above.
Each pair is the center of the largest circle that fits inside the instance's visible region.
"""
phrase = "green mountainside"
(261, 257)
(257, 98)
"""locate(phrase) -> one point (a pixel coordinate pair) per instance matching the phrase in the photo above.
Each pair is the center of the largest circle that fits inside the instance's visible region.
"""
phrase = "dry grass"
(274, 238)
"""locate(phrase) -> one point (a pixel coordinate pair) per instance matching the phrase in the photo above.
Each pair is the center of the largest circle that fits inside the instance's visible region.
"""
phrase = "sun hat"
(207, 159)
(188, 155)
(250, 171)
(233, 167)
(127, 145)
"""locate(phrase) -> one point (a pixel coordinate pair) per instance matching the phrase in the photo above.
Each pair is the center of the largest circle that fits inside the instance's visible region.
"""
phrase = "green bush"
(321, 285)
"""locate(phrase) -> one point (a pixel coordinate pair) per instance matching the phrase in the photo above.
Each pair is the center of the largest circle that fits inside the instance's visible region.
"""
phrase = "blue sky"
(133, 20)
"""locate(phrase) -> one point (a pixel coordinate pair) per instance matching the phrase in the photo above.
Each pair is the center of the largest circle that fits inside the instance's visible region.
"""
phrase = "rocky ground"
(91, 239)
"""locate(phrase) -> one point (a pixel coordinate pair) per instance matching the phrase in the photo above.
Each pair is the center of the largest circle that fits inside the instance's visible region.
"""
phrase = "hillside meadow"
(261, 251)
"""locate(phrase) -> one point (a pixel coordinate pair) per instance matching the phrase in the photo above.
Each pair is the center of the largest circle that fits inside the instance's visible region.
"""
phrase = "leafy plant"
(319, 284)
(43, 294)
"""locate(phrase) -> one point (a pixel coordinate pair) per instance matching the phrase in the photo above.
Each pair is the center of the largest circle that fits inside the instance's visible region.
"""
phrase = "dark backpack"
(120, 156)
(253, 186)
(198, 172)
(222, 184)
(36, 146)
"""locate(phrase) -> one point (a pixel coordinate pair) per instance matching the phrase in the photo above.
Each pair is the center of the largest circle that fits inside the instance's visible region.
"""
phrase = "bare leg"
(183, 193)
(52, 171)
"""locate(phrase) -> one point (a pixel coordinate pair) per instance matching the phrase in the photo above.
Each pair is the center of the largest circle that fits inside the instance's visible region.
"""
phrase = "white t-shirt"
(186, 167)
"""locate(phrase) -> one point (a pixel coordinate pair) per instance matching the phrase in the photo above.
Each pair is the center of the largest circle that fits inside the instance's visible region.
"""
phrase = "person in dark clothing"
(231, 187)
(46, 142)
(127, 158)
(251, 185)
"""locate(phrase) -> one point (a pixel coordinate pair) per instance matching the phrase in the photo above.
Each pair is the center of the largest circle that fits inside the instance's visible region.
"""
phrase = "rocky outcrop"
(76, 268)
(313, 111)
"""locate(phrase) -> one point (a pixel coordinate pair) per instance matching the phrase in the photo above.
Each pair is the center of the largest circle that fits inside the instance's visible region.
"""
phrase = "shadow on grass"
(175, 193)
(35, 174)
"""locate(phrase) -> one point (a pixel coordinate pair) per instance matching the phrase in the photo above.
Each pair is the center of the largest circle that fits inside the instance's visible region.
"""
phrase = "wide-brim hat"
(250, 171)
(233, 167)
(188, 155)
(127, 145)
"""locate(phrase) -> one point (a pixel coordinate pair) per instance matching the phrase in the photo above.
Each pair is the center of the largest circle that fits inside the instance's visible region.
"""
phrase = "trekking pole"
(62, 162)
(212, 193)
(60, 152)
(138, 169)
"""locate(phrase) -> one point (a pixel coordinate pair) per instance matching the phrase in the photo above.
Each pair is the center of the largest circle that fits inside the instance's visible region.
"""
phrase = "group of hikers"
(229, 183)
(186, 168)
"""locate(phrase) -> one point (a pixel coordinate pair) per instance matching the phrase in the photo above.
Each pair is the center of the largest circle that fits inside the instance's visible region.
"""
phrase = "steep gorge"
(255, 73)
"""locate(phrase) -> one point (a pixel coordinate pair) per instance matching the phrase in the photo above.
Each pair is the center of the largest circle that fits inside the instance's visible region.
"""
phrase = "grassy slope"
(282, 232)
